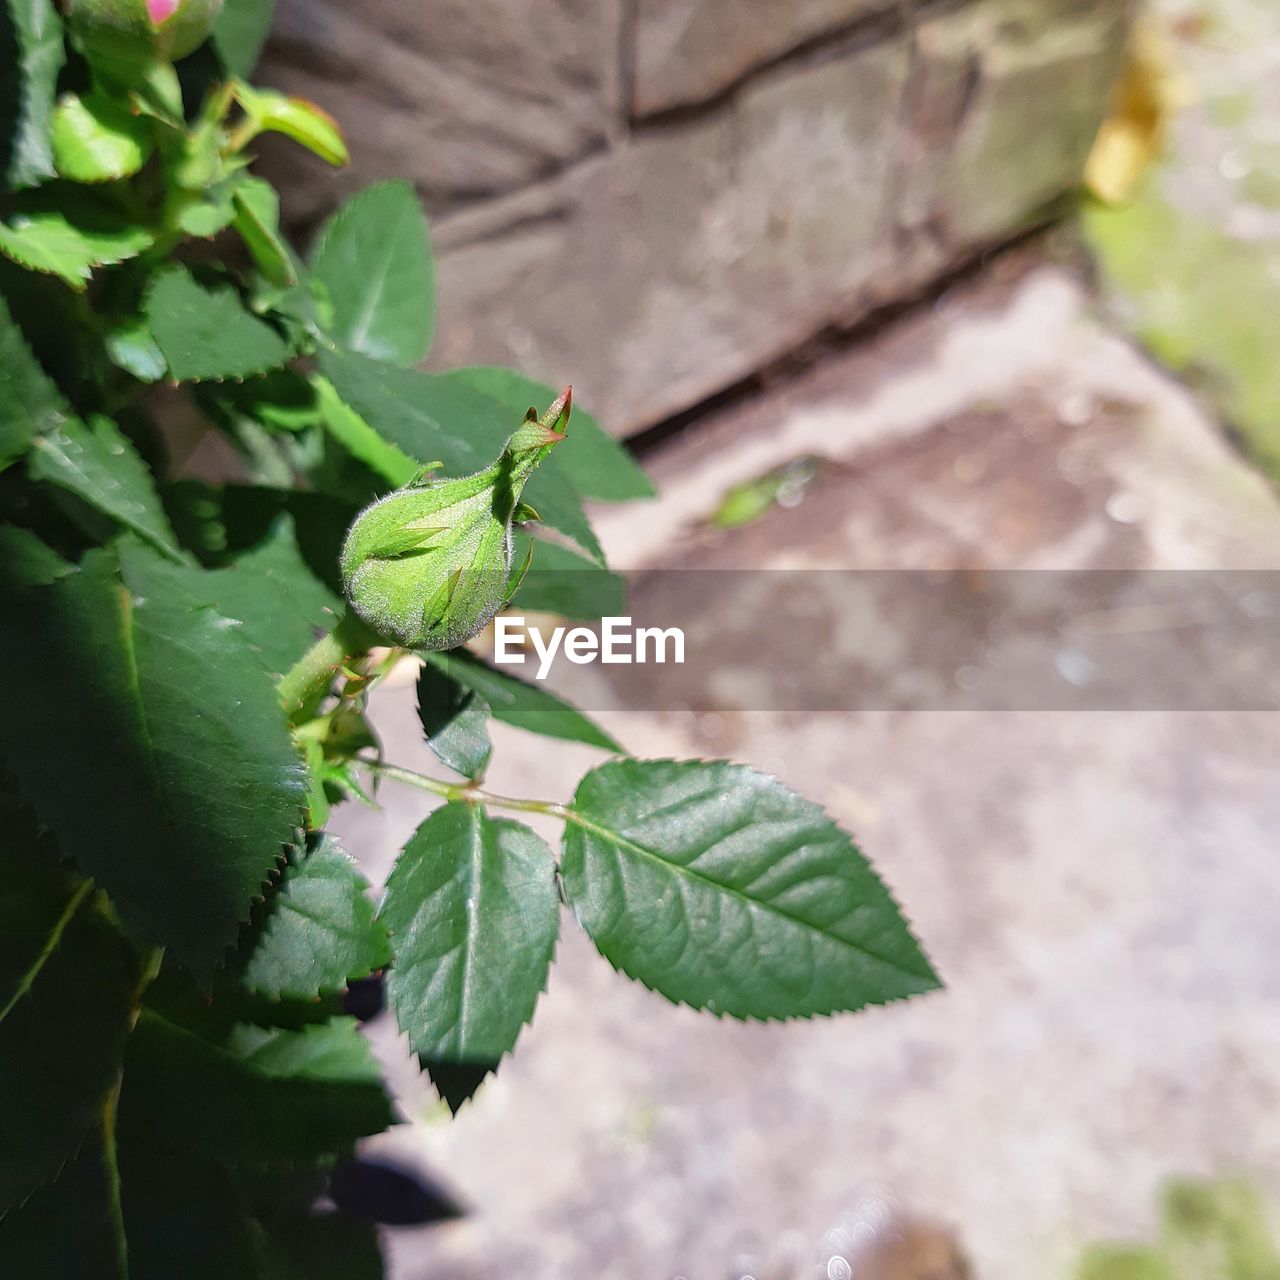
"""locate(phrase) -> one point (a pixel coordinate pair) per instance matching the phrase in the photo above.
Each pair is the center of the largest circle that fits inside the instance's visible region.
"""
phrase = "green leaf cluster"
(178, 929)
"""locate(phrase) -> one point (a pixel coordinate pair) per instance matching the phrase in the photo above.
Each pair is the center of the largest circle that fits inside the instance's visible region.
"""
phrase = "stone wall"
(655, 198)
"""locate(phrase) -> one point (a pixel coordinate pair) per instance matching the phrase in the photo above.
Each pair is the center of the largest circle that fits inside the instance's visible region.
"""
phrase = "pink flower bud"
(159, 10)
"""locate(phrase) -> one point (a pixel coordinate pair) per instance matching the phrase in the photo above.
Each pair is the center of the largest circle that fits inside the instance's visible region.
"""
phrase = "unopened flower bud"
(131, 33)
(429, 566)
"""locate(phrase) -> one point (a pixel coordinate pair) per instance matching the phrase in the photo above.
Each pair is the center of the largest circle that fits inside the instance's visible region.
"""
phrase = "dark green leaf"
(319, 932)
(281, 605)
(155, 708)
(207, 332)
(66, 231)
(137, 1207)
(182, 1216)
(97, 463)
(523, 705)
(321, 1246)
(70, 1227)
(561, 582)
(426, 416)
(267, 1096)
(66, 981)
(438, 417)
(360, 440)
(722, 889)
(473, 914)
(240, 33)
(132, 347)
(594, 463)
(29, 401)
(374, 259)
(455, 720)
(281, 400)
(559, 507)
(32, 52)
(25, 561)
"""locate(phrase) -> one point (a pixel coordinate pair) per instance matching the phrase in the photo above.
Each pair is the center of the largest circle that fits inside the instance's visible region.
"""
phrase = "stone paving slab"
(1100, 891)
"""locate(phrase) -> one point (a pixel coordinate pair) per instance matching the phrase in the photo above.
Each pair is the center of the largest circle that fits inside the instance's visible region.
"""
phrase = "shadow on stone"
(388, 1193)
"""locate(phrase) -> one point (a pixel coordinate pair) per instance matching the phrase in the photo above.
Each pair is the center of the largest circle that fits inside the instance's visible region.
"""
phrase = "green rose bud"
(126, 34)
(430, 565)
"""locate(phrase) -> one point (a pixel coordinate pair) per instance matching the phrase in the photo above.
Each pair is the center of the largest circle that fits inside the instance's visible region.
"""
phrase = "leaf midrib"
(476, 851)
(373, 296)
(28, 979)
(623, 842)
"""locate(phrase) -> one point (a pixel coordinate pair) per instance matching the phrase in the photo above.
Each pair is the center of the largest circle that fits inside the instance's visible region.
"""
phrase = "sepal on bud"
(429, 565)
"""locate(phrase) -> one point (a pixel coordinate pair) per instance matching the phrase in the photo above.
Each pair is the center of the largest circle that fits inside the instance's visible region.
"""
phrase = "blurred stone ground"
(1192, 264)
(1100, 890)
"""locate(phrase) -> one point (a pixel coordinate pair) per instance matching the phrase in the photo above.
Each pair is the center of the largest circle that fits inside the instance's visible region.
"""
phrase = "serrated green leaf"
(321, 1246)
(720, 888)
(561, 582)
(70, 1227)
(33, 59)
(455, 720)
(66, 231)
(132, 347)
(200, 764)
(427, 416)
(281, 400)
(66, 982)
(29, 401)
(96, 462)
(241, 31)
(280, 604)
(257, 219)
(523, 705)
(319, 932)
(182, 1215)
(473, 914)
(437, 417)
(95, 139)
(360, 440)
(206, 332)
(133, 1206)
(264, 1097)
(597, 465)
(560, 508)
(373, 258)
(25, 561)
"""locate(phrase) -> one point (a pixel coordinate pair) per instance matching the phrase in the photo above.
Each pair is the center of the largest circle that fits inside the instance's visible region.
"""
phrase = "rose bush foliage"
(188, 687)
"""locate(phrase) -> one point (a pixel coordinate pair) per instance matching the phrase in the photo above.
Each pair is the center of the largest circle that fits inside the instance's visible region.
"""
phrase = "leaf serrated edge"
(423, 1058)
(573, 815)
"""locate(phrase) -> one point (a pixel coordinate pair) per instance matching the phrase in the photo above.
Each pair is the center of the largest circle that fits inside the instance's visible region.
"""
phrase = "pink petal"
(160, 10)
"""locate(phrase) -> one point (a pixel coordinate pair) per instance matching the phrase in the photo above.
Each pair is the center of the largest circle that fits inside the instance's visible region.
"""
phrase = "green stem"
(467, 792)
(304, 686)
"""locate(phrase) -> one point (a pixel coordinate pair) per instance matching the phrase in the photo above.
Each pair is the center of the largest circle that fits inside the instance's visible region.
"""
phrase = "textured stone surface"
(655, 265)
(463, 97)
(1099, 890)
(670, 267)
(1008, 96)
(688, 50)
(1192, 262)
(686, 259)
